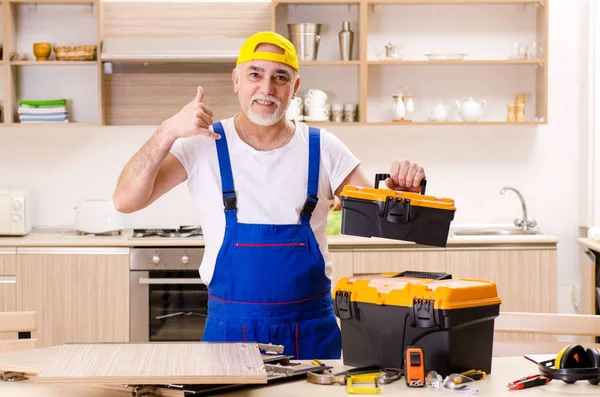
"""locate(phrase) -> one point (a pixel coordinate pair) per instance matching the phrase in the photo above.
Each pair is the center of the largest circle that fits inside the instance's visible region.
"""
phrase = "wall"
(469, 164)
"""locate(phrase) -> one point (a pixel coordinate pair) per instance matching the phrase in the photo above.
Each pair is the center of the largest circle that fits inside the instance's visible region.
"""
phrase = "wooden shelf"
(316, 2)
(68, 2)
(463, 62)
(452, 2)
(52, 125)
(426, 123)
(54, 63)
(329, 63)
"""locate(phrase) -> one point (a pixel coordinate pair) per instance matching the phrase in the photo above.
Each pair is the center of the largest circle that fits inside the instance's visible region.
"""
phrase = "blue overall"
(269, 283)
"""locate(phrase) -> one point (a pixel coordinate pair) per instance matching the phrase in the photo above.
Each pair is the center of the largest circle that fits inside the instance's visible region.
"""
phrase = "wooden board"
(184, 19)
(155, 364)
(138, 94)
(29, 362)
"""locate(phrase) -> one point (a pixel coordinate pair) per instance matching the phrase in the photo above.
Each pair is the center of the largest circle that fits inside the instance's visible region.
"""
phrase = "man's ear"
(296, 85)
(235, 77)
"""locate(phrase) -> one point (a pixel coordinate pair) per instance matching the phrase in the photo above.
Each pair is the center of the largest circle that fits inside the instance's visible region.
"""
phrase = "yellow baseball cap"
(248, 50)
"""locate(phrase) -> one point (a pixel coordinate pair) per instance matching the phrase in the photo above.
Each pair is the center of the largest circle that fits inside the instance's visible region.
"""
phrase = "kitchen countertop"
(72, 239)
(504, 370)
(589, 243)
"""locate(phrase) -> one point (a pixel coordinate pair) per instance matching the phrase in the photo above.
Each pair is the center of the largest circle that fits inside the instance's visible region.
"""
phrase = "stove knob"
(156, 259)
(185, 259)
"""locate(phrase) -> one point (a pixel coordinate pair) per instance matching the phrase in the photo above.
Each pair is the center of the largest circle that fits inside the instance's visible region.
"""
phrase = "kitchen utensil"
(520, 112)
(511, 116)
(399, 108)
(42, 51)
(346, 38)
(446, 57)
(75, 52)
(337, 113)
(97, 216)
(350, 112)
(390, 50)
(438, 111)
(306, 38)
(315, 97)
(471, 110)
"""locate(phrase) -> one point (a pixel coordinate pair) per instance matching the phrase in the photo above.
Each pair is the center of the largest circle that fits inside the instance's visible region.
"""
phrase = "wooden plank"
(513, 349)
(420, 62)
(134, 94)
(29, 362)
(184, 19)
(17, 321)
(7, 346)
(156, 363)
(548, 323)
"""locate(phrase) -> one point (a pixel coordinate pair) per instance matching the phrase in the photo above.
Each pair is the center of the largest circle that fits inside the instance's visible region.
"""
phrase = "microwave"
(15, 213)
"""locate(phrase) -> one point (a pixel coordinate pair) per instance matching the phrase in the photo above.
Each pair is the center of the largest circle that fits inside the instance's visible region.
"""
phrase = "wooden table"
(504, 370)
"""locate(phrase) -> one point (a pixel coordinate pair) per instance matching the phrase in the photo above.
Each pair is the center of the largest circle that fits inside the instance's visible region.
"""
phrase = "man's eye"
(282, 78)
(255, 75)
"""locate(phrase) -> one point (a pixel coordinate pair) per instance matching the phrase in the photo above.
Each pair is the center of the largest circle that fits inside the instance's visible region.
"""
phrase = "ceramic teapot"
(438, 111)
(471, 109)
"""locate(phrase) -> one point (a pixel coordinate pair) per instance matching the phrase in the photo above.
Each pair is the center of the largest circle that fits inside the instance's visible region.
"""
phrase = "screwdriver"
(468, 376)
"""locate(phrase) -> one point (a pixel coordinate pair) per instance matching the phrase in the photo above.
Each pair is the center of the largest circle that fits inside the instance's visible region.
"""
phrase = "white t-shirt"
(271, 186)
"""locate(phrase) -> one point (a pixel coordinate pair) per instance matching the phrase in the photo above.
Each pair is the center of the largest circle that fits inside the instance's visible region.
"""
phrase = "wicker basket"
(75, 53)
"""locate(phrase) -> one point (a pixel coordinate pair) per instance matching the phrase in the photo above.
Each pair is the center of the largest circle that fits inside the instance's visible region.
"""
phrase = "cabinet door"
(375, 261)
(80, 294)
(525, 279)
(342, 262)
(8, 285)
(587, 301)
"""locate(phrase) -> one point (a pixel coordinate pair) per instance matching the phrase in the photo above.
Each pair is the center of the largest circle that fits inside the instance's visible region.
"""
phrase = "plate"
(446, 57)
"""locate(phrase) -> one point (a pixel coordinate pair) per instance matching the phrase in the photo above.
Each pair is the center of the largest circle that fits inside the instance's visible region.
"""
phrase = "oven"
(168, 300)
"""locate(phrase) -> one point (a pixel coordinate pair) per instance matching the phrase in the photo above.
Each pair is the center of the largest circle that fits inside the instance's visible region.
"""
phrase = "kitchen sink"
(494, 232)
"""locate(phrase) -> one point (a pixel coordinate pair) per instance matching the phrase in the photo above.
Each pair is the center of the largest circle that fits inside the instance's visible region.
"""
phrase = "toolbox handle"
(428, 275)
(383, 177)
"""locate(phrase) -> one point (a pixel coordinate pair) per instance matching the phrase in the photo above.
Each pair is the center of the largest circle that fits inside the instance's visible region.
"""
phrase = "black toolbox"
(452, 320)
(409, 216)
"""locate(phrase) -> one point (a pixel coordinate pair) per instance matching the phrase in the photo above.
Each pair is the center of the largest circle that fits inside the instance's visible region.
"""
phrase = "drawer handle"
(8, 279)
(146, 281)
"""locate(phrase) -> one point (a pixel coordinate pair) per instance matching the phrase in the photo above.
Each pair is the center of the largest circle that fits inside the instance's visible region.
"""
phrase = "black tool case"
(409, 216)
(452, 320)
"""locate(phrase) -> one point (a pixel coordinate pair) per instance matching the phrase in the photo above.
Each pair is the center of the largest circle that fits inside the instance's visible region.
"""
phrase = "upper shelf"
(55, 1)
(459, 62)
(416, 2)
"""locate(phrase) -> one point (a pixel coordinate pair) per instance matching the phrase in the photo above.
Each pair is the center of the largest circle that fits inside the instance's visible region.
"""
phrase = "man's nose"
(267, 86)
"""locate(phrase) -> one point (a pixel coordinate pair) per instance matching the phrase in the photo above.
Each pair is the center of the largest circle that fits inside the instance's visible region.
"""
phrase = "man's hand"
(405, 176)
(195, 118)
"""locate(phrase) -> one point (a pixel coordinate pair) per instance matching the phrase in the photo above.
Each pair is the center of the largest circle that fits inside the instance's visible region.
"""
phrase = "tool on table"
(467, 376)
(434, 381)
(414, 367)
(270, 348)
(529, 381)
(349, 378)
(389, 375)
(316, 362)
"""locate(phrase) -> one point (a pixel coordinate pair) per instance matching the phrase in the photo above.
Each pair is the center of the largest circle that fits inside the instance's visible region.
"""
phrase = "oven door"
(167, 306)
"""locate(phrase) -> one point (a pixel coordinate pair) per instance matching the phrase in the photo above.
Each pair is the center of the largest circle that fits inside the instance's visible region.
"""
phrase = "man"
(265, 239)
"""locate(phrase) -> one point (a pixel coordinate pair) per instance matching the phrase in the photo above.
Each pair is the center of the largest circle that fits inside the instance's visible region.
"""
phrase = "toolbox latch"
(343, 306)
(422, 314)
(397, 211)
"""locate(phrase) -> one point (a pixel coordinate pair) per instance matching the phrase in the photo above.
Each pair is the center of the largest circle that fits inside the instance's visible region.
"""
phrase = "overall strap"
(229, 198)
(314, 162)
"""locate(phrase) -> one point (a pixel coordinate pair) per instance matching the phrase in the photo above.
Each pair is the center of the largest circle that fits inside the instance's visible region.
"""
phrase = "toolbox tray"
(452, 320)
(408, 216)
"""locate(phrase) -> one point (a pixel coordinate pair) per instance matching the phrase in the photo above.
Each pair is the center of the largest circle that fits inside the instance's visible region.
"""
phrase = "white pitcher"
(438, 111)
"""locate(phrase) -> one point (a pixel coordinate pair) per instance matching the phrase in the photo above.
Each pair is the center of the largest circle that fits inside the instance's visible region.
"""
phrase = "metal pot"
(305, 37)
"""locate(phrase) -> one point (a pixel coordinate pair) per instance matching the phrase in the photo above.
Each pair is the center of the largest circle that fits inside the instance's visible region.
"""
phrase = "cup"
(315, 97)
(337, 113)
(349, 112)
(520, 112)
(293, 112)
(318, 113)
(512, 116)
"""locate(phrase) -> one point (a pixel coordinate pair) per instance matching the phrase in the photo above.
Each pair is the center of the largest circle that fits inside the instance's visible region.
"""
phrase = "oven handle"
(147, 281)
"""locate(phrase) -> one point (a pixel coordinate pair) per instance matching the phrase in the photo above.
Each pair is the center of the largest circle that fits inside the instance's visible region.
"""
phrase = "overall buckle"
(310, 204)
(229, 199)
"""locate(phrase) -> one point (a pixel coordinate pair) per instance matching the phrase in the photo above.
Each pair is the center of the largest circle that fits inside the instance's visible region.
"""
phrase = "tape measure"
(414, 367)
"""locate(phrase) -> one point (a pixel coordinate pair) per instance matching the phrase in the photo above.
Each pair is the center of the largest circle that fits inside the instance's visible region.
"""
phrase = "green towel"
(37, 104)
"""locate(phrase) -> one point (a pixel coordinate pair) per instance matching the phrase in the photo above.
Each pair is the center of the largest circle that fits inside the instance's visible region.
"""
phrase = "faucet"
(524, 223)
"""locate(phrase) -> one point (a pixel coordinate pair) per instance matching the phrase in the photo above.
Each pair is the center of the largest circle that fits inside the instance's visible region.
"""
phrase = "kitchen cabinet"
(342, 263)
(60, 23)
(491, 67)
(80, 294)
(8, 285)
(524, 276)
